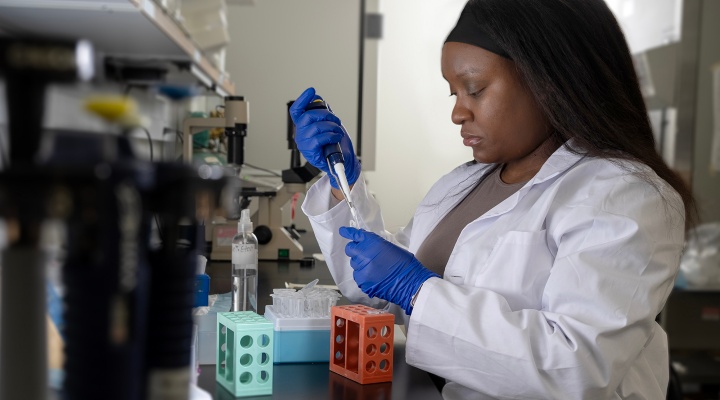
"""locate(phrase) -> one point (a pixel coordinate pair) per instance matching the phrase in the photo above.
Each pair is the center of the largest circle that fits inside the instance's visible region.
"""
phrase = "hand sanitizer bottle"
(244, 266)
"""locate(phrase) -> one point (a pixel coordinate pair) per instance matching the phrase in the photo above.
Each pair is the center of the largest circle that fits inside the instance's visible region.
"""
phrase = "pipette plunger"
(336, 163)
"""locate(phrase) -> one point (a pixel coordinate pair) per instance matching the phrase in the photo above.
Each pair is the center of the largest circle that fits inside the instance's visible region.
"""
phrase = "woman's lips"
(471, 140)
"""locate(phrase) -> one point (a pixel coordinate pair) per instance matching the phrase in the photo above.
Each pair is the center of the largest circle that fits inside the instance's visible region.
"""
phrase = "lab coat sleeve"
(327, 216)
(617, 257)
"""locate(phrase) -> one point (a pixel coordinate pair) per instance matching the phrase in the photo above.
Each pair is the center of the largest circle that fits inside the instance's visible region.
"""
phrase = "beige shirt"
(435, 251)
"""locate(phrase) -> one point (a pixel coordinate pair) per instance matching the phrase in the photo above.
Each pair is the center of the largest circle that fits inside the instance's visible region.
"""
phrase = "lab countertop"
(314, 380)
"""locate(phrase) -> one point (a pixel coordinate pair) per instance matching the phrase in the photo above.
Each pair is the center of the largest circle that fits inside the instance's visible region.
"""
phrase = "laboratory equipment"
(277, 241)
(127, 308)
(235, 123)
(299, 339)
(305, 303)
(106, 270)
(281, 242)
(336, 165)
(207, 334)
(28, 67)
(173, 267)
(297, 173)
(361, 343)
(244, 362)
(202, 290)
(118, 110)
(244, 266)
(301, 321)
(149, 347)
(205, 318)
(202, 283)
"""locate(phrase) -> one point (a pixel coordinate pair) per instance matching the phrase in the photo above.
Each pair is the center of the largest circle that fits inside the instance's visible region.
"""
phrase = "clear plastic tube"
(308, 303)
(339, 174)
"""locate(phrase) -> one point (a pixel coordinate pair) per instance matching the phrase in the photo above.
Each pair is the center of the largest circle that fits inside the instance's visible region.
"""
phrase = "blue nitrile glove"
(384, 270)
(317, 128)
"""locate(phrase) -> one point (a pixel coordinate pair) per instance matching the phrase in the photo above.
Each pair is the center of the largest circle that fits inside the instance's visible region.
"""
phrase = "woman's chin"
(481, 157)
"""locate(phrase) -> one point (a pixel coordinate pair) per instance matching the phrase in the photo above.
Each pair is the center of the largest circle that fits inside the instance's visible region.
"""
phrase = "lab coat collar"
(438, 202)
(560, 161)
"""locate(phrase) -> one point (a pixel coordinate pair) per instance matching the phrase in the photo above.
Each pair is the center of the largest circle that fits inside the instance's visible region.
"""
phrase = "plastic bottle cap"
(245, 224)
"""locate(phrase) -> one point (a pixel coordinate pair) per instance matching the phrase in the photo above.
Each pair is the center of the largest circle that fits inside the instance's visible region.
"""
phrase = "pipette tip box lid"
(299, 339)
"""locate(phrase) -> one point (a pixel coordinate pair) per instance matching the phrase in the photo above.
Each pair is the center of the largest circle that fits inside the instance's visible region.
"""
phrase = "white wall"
(280, 47)
(416, 141)
(648, 23)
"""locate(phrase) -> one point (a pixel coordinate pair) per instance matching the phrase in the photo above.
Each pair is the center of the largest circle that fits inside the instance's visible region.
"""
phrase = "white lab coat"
(552, 294)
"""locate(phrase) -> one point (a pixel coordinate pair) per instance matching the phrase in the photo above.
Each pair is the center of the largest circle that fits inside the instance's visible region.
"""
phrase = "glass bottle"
(244, 266)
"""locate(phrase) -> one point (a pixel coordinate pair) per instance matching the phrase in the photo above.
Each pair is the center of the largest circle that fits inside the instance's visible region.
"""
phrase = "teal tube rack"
(244, 353)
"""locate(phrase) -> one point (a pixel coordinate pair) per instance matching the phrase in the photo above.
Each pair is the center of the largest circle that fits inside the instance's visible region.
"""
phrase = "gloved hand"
(317, 128)
(384, 270)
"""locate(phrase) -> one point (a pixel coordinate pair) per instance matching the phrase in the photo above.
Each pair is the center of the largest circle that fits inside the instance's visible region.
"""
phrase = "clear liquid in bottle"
(244, 266)
(244, 289)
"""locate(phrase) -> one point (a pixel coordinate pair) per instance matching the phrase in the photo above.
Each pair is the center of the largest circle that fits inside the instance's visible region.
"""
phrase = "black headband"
(467, 30)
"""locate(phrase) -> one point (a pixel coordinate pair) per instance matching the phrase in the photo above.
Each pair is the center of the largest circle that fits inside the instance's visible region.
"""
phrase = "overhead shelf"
(132, 29)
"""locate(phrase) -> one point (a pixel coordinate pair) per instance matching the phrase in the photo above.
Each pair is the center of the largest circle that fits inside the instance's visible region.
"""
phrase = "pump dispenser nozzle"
(245, 224)
(244, 265)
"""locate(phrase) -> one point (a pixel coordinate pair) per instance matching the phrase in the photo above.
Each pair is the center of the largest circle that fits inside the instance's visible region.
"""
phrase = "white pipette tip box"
(299, 339)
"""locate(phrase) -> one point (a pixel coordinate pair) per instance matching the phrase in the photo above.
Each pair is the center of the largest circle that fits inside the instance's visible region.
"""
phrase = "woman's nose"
(460, 114)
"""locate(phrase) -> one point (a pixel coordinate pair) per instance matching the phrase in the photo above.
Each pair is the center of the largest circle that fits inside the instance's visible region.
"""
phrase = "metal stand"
(28, 66)
(24, 345)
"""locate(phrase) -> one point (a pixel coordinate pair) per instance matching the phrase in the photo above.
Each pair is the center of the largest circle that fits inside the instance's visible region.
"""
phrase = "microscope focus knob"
(263, 234)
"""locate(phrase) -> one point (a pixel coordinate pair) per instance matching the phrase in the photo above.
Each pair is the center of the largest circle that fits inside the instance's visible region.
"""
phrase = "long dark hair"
(573, 56)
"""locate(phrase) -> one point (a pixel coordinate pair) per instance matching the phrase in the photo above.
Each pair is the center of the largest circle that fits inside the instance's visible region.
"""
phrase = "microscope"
(277, 242)
(235, 123)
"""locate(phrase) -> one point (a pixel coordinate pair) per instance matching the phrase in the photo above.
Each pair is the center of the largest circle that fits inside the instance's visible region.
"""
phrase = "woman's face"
(498, 116)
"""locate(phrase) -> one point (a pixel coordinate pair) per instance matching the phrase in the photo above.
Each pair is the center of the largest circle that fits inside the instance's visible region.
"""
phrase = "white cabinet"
(133, 29)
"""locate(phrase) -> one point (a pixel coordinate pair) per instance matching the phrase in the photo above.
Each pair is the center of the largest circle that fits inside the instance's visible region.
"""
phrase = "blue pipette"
(336, 162)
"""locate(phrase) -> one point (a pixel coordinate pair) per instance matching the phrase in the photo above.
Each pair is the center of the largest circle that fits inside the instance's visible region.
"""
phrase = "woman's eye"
(475, 93)
(471, 93)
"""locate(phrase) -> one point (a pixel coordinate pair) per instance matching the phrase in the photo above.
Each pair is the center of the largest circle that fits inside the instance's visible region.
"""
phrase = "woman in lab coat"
(535, 271)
